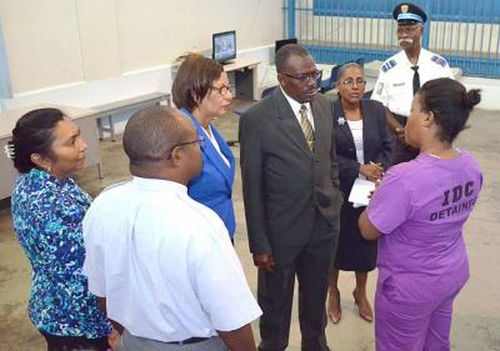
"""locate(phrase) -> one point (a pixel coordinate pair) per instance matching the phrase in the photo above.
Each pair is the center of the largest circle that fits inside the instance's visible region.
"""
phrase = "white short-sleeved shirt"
(164, 262)
(394, 87)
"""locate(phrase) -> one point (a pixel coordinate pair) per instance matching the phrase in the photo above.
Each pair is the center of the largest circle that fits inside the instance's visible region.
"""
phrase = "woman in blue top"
(201, 90)
(47, 210)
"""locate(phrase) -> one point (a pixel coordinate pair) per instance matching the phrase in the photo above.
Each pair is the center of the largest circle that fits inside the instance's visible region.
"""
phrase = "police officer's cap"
(407, 14)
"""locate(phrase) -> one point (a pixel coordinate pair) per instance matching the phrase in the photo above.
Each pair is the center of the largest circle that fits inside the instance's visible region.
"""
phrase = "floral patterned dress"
(47, 215)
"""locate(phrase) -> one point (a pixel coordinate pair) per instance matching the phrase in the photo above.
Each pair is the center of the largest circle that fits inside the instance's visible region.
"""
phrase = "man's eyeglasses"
(199, 140)
(316, 75)
(350, 82)
(223, 89)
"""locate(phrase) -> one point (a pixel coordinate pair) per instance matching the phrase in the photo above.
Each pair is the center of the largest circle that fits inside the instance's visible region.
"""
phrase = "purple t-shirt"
(420, 208)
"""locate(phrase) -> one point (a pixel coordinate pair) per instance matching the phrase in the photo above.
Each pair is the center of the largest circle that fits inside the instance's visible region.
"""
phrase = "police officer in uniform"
(402, 75)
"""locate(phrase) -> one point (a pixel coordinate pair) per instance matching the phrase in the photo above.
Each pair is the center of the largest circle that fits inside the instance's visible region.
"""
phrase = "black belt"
(187, 341)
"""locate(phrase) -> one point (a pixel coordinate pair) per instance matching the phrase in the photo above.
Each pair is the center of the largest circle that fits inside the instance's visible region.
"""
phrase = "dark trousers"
(402, 151)
(70, 343)
(313, 265)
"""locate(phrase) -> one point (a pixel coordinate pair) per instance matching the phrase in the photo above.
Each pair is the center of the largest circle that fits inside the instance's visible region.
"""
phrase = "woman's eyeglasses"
(350, 82)
(199, 140)
(223, 89)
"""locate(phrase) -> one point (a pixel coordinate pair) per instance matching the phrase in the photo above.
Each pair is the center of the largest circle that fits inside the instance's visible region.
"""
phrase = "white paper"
(360, 192)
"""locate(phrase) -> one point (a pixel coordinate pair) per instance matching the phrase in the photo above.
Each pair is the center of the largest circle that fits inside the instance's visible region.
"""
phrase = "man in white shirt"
(404, 73)
(161, 263)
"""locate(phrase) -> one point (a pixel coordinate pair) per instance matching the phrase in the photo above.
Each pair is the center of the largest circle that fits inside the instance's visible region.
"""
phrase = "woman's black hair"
(33, 133)
(450, 103)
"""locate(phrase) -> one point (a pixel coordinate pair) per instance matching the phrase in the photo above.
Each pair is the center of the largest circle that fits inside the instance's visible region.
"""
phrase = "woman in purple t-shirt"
(418, 213)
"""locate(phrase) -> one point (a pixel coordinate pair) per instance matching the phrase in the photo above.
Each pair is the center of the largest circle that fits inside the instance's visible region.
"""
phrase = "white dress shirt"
(295, 105)
(164, 262)
(394, 87)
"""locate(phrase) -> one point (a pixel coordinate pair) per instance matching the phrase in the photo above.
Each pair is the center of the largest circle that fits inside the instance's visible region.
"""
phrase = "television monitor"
(279, 43)
(224, 46)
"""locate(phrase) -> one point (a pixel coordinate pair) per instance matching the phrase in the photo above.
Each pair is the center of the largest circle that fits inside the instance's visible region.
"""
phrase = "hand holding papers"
(360, 192)
(371, 171)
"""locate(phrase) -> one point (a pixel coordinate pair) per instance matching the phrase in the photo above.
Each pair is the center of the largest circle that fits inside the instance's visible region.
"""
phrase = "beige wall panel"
(42, 43)
(57, 42)
(257, 22)
(150, 32)
(154, 32)
(98, 38)
(261, 22)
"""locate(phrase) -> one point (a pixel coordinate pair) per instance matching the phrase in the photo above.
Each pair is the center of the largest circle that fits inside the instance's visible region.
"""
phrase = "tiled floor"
(476, 324)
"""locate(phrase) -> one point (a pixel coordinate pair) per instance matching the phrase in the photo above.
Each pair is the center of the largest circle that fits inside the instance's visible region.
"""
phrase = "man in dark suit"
(292, 200)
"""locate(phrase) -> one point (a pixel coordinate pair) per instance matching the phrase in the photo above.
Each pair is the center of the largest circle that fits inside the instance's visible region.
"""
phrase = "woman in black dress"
(363, 150)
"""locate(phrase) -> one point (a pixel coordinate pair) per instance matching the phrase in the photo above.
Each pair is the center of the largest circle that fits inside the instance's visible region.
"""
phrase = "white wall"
(59, 48)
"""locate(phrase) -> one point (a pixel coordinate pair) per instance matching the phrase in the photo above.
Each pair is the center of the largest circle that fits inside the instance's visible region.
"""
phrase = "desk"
(83, 117)
(245, 78)
(120, 106)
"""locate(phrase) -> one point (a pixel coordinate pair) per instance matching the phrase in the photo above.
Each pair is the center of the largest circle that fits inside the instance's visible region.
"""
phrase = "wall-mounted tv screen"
(224, 46)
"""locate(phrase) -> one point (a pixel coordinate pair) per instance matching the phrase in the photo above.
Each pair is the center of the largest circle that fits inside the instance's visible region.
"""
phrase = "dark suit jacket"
(284, 183)
(376, 141)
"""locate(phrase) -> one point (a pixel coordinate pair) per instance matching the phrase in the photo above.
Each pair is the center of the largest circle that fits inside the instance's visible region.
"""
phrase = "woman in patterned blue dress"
(47, 210)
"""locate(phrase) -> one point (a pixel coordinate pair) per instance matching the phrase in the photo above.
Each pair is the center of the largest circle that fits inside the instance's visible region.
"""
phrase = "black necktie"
(416, 80)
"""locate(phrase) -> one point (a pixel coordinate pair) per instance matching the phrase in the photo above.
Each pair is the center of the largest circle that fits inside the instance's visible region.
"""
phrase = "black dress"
(354, 253)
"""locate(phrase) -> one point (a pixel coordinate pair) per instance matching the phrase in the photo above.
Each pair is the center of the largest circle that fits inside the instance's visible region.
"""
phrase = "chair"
(241, 110)
(330, 83)
(266, 92)
(360, 61)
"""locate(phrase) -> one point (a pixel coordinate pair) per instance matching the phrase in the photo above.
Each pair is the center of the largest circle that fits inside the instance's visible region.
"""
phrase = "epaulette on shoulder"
(114, 185)
(387, 65)
(439, 60)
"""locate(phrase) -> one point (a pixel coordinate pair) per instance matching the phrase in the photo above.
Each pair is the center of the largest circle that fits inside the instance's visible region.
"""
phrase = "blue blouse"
(47, 215)
(213, 186)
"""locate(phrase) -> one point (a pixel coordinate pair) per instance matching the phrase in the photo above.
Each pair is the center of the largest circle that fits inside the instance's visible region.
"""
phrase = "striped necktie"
(306, 127)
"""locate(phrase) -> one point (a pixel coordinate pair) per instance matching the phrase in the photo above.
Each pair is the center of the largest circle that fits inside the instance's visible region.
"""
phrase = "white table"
(245, 78)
